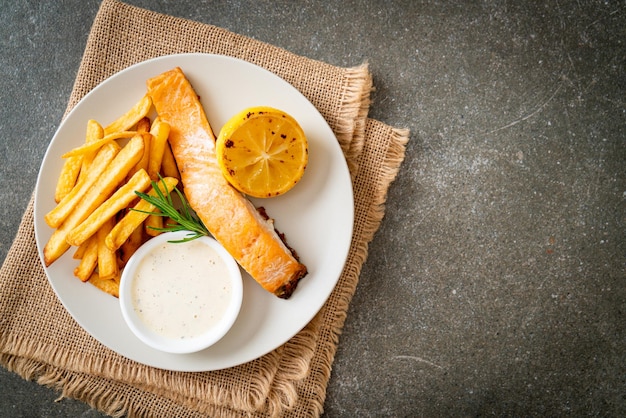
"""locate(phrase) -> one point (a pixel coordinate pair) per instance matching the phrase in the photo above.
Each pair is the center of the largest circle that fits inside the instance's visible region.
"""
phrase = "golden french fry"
(110, 286)
(142, 164)
(80, 251)
(130, 118)
(97, 144)
(104, 187)
(107, 259)
(108, 209)
(67, 178)
(131, 245)
(89, 260)
(134, 218)
(75, 165)
(143, 125)
(56, 216)
(160, 131)
(143, 128)
(95, 131)
(168, 163)
(152, 223)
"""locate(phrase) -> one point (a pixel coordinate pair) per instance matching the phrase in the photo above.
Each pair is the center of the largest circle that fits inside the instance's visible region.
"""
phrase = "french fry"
(68, 177)
(134, 218)
(89, 260)
(142, 164)
(130, 118)
(56, 216)
(107, 210)
(143, 129)
(110, 286)
(130, 246)
(75, 165)
(95, 131)
(80, 251)
(168, 164)
(97, 144)
(160, 131)
(97, 182)
(104, 187)
(153, 223)
(107, 259)
(143, 125)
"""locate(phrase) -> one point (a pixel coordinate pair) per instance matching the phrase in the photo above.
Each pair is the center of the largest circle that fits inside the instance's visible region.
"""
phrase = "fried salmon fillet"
(230, 217)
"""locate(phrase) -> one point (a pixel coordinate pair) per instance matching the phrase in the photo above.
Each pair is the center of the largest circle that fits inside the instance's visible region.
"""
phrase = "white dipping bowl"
(178, 344)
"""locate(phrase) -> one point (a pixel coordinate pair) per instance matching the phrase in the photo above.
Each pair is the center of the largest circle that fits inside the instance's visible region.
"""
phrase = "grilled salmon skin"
(230, 217)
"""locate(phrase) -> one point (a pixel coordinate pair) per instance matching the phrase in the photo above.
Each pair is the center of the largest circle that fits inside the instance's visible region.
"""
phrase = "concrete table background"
(495, 284)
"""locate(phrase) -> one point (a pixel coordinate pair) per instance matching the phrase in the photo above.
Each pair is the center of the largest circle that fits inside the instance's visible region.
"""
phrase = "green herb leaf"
(185, 217)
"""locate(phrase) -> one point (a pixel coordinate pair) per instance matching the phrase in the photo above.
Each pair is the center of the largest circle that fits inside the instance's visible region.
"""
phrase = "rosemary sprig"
(185, 217)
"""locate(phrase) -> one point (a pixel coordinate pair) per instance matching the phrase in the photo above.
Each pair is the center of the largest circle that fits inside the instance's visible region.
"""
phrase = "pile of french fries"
(95, 195)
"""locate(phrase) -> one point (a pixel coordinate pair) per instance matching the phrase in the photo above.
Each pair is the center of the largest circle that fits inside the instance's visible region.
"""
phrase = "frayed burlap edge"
(350, 131)
(342, 295)
(102, 394)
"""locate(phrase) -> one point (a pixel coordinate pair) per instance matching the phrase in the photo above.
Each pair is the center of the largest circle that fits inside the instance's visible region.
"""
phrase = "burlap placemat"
(40, 341)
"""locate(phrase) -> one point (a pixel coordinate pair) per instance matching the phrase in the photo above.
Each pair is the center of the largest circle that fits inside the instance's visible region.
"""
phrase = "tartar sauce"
(181, 290)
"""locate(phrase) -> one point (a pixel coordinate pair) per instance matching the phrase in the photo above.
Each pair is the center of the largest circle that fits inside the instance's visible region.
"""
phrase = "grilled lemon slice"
(262, 151)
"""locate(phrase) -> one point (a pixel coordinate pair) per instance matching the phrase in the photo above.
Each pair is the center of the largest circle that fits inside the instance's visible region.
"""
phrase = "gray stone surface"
(495, 285)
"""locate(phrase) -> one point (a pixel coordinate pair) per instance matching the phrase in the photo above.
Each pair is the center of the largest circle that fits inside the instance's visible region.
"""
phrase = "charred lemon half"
(262, 151)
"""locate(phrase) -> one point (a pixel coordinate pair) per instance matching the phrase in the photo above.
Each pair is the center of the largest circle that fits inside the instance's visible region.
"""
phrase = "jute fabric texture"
(39, 339)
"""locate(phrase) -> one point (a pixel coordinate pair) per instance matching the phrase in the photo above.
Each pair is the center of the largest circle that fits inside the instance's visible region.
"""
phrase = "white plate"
(316, 215)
